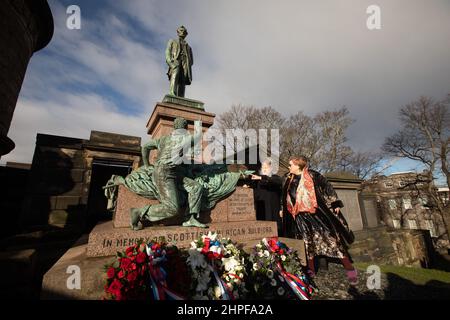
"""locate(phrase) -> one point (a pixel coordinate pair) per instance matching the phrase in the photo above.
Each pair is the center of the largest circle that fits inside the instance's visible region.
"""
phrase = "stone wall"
(25, 27)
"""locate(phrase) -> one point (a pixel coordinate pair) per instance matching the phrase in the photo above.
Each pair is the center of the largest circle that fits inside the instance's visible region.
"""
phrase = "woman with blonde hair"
(311, 211)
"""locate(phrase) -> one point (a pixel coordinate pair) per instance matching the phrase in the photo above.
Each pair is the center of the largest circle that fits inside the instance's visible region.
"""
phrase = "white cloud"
(292, 55)
(76, 117)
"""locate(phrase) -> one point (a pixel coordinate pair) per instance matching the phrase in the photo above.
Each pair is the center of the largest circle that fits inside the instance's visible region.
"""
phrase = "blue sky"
(292, 55)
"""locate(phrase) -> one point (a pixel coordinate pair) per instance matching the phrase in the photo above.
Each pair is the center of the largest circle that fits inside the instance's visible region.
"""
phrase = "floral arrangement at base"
(217, 269)
(212, 269)
(276, 272)
(127, 278)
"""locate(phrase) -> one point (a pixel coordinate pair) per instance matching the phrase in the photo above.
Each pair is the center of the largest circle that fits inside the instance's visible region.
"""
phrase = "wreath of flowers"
(276, 272)
(169, 276)
(217, 269)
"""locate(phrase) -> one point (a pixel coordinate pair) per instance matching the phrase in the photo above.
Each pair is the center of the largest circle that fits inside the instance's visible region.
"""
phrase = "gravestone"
(347, 188)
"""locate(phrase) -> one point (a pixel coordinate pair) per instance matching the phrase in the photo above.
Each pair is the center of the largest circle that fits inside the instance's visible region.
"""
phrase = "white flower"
(230, 263)
(241, 275)
(193, 245)
(215, 249)
(273, 282)
(195, 259)
(210, 235)
(266, 253)
(259, 246)
(255, 266)
(217, 292)
(270, 274)
(283, 257)
(280, 291)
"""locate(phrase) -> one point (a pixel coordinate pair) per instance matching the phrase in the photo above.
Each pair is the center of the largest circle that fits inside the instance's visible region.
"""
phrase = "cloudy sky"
(292, 55)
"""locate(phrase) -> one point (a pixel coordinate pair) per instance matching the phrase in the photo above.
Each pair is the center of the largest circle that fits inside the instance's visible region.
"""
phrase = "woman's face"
(293, 168)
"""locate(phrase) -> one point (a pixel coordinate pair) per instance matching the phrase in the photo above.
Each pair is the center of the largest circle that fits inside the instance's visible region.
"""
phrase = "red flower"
(141, 257)
(133, 266)
(115, 287)
(111, 273)
(132, 276)
(129, 251)
(120, 274)
(273, 244)
(125, 263)
(206, 244)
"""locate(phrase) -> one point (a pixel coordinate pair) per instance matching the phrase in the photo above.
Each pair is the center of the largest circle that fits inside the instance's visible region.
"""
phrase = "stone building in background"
(404, 203)
(26, 26)
(64, 188)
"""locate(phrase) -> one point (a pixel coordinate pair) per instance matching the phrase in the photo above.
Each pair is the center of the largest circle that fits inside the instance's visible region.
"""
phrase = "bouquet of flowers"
(127, 278)
(217, 269)
(276, 272)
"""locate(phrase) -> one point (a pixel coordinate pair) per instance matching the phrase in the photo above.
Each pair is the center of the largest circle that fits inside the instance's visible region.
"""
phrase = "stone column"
(26, 26)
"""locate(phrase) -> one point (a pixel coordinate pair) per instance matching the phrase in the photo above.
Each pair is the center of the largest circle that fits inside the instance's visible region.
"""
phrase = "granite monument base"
(105, 240)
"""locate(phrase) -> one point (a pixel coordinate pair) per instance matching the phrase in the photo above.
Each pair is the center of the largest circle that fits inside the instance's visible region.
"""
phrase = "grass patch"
(418, 276)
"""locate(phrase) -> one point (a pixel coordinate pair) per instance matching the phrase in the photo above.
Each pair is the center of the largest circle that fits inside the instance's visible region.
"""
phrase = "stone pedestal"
(105, 240)
(161, 120)
(233, 217)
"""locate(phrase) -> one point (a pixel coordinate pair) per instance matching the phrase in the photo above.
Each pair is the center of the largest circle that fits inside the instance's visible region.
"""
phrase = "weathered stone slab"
(106, 240)
(238, 206)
